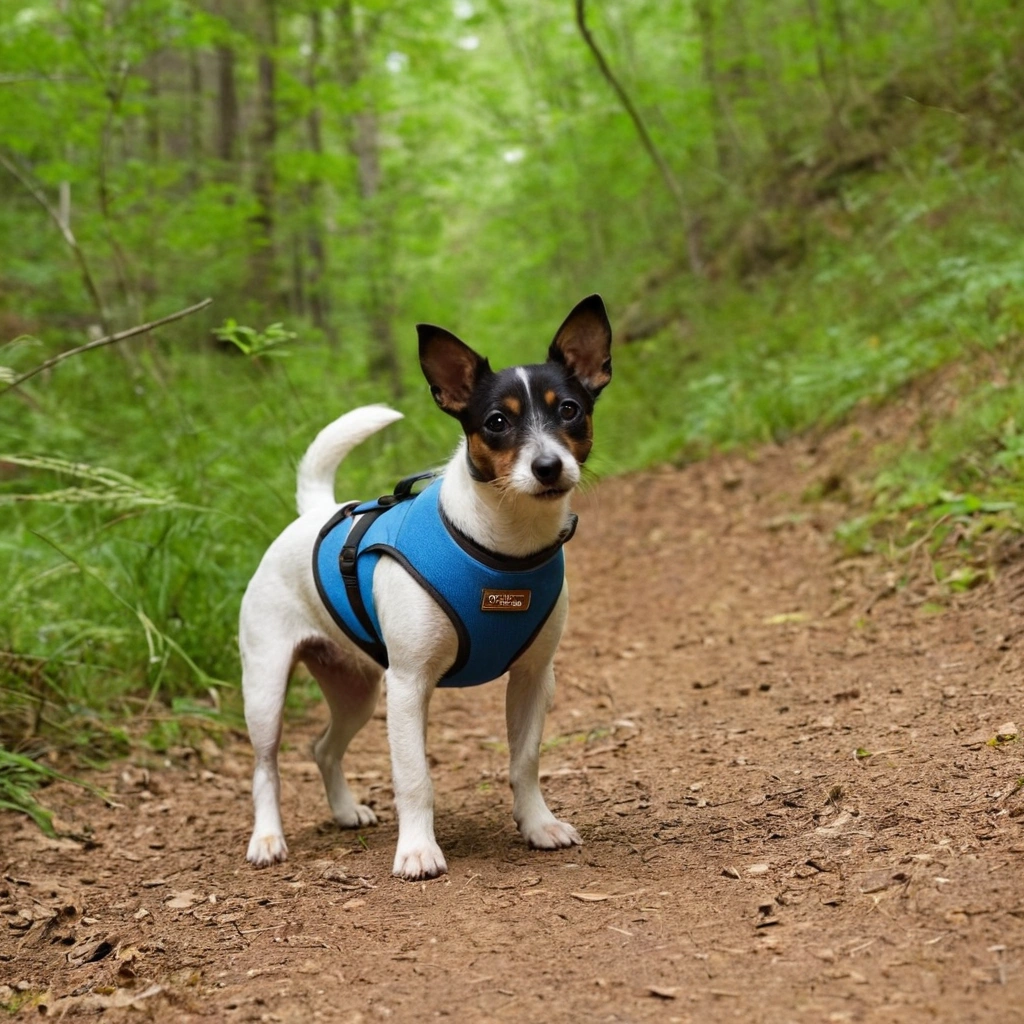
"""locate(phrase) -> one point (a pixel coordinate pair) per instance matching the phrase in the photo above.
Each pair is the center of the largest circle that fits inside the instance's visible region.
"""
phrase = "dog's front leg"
(531, 687)
(421, 644)
(417, 855)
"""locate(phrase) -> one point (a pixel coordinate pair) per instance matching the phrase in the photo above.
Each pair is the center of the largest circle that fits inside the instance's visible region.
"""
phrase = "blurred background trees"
(353, 167)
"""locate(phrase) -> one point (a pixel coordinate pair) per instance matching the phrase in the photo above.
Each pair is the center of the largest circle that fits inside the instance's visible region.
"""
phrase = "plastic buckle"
(347, 559)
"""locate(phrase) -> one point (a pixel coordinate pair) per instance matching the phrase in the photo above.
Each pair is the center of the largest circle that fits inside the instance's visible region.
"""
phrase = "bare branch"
(108, 340)
(670, 180)
(65, 229)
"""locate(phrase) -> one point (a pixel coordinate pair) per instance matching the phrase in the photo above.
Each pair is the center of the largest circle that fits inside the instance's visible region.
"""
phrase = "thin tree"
(313, 187)
(669, 179)
(264, 141)
(364, 143)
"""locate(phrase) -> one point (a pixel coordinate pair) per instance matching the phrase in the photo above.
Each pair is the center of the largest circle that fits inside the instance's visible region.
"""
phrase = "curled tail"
(316, 470)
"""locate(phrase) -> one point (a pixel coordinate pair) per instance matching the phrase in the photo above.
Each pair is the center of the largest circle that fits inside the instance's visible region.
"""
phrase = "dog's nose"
(547, 468)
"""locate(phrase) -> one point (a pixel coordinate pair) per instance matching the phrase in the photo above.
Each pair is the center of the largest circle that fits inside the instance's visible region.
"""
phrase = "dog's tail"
(316, 470)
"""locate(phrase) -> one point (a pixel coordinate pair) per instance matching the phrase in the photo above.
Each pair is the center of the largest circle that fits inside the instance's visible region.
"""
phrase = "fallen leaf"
(662, 993)
(182, 900)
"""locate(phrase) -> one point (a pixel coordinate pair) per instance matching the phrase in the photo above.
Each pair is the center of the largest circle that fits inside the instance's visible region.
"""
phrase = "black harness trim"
(508, 563)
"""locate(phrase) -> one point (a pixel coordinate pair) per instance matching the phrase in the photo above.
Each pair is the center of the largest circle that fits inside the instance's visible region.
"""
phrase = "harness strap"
(347, 566)
(349, 554)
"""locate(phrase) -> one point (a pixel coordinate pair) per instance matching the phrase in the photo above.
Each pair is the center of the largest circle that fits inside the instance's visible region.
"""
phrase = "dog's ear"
(451, 367)
(583, 345)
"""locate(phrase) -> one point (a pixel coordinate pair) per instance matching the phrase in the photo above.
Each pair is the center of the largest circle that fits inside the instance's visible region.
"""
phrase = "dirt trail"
(721, 668)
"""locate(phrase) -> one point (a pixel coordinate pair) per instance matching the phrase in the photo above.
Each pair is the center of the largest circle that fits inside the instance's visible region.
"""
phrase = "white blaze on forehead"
(536, 415)
(525, 378)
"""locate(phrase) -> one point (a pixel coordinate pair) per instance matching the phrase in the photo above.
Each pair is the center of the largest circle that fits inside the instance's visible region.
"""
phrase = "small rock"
(875, 881)
(353, 904)
(1007, 731)
(757, 869)
(730, 872)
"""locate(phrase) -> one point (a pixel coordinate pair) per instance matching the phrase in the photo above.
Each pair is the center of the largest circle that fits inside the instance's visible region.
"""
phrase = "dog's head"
(528, 428)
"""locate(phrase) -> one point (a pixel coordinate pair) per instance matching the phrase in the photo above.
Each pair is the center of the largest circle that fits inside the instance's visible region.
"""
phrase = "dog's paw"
(266, 850)
(550, 835)
(355, 816)
(416, 862)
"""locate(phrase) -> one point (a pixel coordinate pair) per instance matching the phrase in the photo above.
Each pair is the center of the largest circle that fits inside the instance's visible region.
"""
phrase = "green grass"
(137, 496)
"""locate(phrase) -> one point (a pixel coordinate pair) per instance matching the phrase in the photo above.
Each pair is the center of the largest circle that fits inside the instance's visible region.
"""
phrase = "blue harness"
(497, 605)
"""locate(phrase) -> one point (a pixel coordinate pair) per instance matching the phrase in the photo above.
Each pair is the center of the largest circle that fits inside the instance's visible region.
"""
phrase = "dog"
(503, 500)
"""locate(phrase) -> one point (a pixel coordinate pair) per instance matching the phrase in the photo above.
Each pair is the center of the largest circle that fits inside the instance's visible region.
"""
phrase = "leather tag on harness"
(505, 600)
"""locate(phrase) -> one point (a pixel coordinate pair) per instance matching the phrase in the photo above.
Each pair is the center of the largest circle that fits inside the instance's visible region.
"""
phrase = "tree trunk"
(195, 118)
(227, 105)
(152, 116)
(823, 70)
(319, 307)
(262, 284)
(364, 144)
(719, 113)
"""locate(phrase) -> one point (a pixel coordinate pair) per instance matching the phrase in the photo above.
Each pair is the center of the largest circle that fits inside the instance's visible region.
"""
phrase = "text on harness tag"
(505, 600)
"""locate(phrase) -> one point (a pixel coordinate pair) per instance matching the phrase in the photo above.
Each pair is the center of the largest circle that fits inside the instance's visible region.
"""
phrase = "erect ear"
(583, 345)
(451, 367)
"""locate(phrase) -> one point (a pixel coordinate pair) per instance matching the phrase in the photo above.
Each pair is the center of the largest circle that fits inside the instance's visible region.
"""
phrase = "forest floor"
(785, 770)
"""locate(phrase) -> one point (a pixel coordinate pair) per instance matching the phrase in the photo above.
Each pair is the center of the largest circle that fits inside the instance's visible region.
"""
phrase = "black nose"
(547, 468)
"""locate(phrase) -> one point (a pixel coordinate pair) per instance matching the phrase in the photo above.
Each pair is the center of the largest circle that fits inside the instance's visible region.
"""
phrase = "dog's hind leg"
(266, 667)
(351, 689)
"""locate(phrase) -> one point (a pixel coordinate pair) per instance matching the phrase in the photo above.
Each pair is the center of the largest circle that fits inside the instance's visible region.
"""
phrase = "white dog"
(349, 592)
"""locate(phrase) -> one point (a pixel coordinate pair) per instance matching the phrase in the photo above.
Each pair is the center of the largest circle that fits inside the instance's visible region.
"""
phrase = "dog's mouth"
(550, 493)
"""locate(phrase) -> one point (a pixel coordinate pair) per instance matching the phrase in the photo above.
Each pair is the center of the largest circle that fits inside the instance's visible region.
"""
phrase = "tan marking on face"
(550, 396)
(513, 405)
(580, 447)
(491, 464)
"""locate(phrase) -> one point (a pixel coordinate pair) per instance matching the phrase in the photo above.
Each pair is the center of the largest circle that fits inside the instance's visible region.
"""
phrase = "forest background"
(790, 209)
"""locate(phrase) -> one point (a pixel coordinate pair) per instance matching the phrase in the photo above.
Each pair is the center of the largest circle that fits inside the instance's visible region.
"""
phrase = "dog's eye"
(568, 411)
(496, 423)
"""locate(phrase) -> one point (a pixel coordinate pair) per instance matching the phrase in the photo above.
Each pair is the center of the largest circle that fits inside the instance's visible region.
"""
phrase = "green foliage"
(253, 343)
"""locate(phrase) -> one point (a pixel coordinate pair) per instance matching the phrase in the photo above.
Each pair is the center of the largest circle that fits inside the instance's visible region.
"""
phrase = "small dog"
(502, 503)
